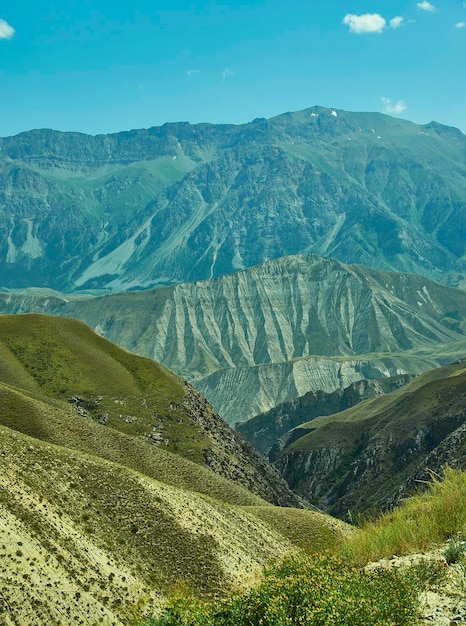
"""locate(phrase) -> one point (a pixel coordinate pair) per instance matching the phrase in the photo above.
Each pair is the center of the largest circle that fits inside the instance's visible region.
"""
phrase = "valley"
(371, 456)
(253, 339)
(225, 348)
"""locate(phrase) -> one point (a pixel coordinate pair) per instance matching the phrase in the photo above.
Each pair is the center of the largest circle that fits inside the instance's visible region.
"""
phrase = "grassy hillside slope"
(371, 455)
(82, 538)
(99, 523)
(420, 578)
(131, 403)
(269, 429)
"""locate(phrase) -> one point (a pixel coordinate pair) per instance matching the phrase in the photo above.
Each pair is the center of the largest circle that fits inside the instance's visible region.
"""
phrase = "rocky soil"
(443, 603)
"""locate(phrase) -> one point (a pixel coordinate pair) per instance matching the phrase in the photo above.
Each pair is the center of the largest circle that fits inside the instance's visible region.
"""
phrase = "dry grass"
(420, 523)
(93, 540)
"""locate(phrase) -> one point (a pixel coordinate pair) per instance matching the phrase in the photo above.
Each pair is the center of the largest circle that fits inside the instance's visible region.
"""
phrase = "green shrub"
(429, 572)
(322, 590)
(455, 552)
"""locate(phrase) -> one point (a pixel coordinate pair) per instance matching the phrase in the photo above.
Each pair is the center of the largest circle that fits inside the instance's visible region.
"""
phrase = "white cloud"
(192, 72)
(396, 22)
(392, 107)
(460, 24)
(366, 23)
(425, 6)
(226, 73)
(6, 31)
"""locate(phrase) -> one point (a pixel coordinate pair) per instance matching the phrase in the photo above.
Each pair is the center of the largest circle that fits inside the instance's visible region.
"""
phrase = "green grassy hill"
(107, 401)
(99, 522)
(269, 430)
(370, 456)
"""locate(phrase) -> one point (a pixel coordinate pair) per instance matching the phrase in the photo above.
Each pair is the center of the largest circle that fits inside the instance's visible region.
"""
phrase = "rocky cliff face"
(230, 456)
(241, 393)
(369, 457)
(253, 339)
(182, 202)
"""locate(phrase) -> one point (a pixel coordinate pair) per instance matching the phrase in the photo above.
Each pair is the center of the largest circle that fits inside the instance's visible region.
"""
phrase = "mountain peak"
(188, 202)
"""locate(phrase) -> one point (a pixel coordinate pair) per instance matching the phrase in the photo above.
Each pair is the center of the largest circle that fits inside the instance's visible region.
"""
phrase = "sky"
(100, 66)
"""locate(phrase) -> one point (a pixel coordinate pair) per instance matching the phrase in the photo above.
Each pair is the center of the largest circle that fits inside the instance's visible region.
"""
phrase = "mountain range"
(258, 337)
(100, 521)
(296, 277)
(186, 202)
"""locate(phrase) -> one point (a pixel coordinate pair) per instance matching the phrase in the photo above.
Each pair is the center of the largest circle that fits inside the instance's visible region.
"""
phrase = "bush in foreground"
(331, 590)
(319, 590)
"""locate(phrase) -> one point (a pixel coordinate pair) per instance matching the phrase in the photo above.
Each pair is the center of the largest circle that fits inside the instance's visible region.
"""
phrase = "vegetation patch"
(322, 590)
(344, 585)
(428, 519)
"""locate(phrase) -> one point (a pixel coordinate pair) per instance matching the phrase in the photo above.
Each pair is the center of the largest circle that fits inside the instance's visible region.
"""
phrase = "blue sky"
(99, 66)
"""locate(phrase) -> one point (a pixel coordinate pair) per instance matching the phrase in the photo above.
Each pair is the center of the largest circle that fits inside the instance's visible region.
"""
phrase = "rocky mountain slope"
(372, 455)
(100, 522)
(253, 339)
(271, 430)
(63, 363)
(183, 202)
